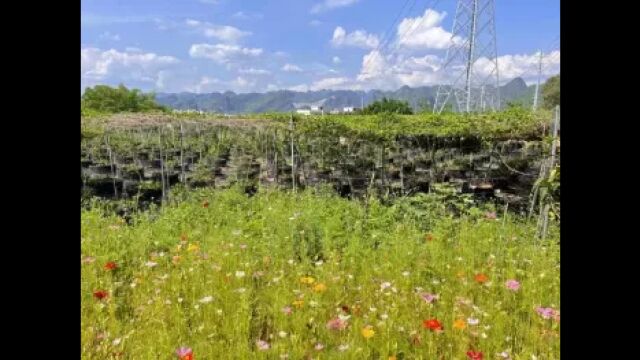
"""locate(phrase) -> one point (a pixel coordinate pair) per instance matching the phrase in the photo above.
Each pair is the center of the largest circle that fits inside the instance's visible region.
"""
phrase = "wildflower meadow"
(309, 275)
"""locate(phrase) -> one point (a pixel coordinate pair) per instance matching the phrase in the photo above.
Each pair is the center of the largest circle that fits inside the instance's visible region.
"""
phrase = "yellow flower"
(459, 324)
(320, 287)
(193, 247)
(368, 332)
(307, 280)
(392, 358)
(298, 303)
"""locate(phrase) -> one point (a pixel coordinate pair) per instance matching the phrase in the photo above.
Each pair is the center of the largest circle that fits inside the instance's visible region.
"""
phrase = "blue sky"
(258, 45)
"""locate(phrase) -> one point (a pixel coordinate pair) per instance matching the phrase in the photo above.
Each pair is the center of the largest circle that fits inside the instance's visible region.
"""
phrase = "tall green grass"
(215, 272)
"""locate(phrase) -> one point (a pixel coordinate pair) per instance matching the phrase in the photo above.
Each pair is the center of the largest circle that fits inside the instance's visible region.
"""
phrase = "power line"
(415, 27)
(387, 36)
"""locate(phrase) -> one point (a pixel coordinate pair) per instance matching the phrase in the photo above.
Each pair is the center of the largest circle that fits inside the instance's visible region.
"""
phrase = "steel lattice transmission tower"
(471, 63)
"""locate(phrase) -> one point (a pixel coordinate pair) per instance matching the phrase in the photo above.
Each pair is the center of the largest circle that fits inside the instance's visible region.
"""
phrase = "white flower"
(472, 321)
(150, 264)
(344, 317)
(240, 274)
(484, 336)
(385, 285)
(206, 299)
(343, 347)
(116, 341)
(179, 299)
(282, 334)
(406, 273)
(219, 311)
(384, 316)
(241, 290)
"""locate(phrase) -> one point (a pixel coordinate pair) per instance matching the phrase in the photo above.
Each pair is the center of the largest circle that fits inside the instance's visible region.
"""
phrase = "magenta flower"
(336, 324)
(262, 345)
(319, 347)
(546, 313)
(512, 285)
(184, 353)
(429, 298)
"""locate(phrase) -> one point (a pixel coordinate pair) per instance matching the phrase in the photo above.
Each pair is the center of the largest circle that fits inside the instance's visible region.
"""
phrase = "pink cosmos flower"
(262, 345)
(319, 347)
(336, 324)
(287, 310)
(512, 285)
(185, 353)
(546, 313)
(429, 298)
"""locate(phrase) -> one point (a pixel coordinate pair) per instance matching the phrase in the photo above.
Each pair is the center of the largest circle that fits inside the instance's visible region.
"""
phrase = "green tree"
(103, 98)
(388, 106)
(551, 92)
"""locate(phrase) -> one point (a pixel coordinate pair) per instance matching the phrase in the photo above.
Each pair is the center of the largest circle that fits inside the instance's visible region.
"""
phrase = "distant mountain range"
(515, 91)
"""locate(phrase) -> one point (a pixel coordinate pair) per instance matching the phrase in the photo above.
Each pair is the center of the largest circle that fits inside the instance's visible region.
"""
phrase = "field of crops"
(309, 275)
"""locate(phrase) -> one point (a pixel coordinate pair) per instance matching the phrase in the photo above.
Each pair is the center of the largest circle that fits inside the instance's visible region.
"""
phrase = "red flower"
(432, 324)
(100, 294)
(345, 308)
(110, 266)
(481, 278)
(474, 355)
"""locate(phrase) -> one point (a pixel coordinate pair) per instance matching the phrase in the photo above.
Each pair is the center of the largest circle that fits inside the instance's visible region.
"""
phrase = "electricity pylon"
(471, 63)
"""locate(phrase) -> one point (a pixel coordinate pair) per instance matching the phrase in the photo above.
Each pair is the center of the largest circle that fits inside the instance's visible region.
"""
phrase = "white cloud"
(291, 68)
(272, 87)
(240, 83)
(109, 36)
(252, 71)
(301, 88)
(223, 33)
(336, 60)
(358, 38)
(390, 72)
(315, 22)
(525, 66)
(223, 53)
(327, 5)
(241, 15)
(112, 65)
(212, 2)
(331, 83)
(424, 32)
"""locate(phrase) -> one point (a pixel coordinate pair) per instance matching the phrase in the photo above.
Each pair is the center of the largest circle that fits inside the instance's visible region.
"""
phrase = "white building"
(348, 109)
(303, 111)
